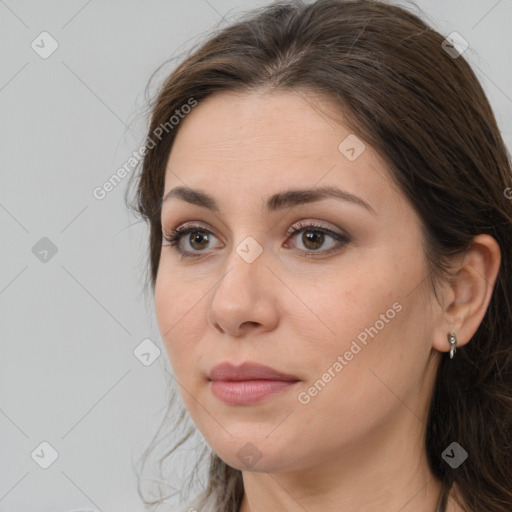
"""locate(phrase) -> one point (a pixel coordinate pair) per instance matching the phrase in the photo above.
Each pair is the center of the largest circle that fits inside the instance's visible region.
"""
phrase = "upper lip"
(247, 371)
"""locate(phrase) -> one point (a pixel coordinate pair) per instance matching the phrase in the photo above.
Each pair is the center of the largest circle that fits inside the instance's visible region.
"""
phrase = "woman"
(330, 256)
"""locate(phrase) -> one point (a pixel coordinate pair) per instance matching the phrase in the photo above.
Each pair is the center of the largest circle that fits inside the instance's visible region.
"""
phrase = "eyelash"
(175, 235)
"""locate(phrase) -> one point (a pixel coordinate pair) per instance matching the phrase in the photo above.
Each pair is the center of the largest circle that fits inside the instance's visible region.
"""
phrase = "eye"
(314, 236)
(313, 239)
(198, 241)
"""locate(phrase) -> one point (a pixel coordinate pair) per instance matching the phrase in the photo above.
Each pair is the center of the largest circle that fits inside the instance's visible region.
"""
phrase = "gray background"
(70, 323)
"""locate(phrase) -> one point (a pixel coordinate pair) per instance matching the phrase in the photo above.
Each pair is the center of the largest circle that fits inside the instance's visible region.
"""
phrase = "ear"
(469, 292)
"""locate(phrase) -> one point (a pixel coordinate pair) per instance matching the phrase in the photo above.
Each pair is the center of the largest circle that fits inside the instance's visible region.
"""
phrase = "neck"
(385, 471)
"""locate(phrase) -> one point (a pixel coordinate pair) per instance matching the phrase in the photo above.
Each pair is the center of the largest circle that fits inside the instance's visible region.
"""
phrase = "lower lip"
(248, 392)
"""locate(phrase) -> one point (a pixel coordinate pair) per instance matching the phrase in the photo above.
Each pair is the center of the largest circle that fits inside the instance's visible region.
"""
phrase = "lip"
(248, 383)
(247, 371)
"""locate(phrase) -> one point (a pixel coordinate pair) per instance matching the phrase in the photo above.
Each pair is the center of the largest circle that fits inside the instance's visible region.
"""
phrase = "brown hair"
(427, 115)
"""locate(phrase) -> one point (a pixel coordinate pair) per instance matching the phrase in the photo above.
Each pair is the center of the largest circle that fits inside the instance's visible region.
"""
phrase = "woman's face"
(346, 312)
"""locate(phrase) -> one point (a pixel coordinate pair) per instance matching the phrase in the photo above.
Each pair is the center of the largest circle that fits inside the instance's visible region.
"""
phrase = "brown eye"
(314, 238)
(200, 238)
(195, 243)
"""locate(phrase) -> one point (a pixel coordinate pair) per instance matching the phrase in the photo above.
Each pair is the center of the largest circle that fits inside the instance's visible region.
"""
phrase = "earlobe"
(471, 288)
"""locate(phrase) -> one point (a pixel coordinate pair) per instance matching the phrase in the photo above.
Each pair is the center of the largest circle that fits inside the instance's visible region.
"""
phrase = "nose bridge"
(241, 296)
(248, 238)
(244, 267)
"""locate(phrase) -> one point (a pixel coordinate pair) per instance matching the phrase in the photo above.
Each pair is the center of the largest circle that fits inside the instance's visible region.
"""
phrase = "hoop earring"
(453, 343)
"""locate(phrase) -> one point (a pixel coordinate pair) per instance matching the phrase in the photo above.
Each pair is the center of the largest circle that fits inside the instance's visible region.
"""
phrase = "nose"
(245, 297)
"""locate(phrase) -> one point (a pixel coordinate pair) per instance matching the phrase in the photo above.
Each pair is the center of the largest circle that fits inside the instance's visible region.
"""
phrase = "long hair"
(426, 114)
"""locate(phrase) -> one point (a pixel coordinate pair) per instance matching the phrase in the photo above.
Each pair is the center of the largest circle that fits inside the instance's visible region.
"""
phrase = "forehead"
(259, 126)
(252, 144)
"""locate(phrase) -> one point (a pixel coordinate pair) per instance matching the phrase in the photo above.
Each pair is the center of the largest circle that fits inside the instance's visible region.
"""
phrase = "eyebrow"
(275, 202)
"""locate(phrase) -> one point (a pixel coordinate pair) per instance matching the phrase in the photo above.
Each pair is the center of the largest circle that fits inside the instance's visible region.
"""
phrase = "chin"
(255, 454)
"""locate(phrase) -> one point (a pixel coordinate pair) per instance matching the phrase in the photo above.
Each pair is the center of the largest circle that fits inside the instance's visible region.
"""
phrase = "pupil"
(196, 237)
(311, 236)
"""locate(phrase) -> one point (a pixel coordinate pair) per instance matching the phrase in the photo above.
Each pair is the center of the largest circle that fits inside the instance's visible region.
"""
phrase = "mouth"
(248, 383)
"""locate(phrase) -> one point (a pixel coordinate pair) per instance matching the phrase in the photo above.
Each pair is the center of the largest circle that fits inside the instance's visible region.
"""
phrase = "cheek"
(380, 343)
(178, 309)
(345, 304)
(364, 320)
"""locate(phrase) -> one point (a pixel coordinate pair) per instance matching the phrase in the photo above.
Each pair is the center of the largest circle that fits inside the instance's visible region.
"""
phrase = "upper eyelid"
(295, 226)
(322, 210)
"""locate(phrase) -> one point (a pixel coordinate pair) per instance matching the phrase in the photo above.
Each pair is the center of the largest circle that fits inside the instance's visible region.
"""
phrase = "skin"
(357, 444)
